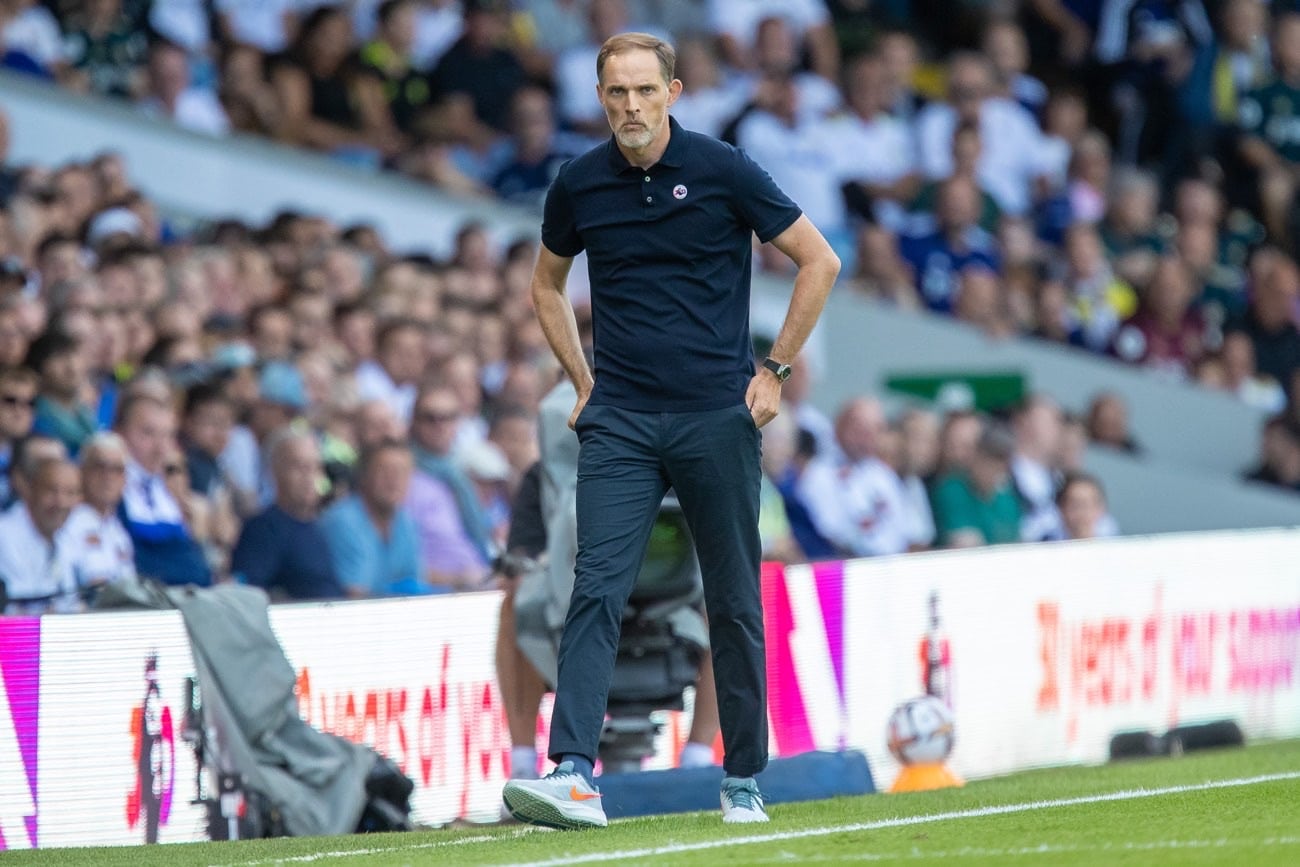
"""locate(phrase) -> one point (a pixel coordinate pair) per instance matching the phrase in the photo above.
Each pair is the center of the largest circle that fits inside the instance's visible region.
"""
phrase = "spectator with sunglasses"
(17, 402)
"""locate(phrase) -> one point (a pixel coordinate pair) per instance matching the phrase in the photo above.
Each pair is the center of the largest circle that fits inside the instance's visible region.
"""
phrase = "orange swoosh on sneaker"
(575, 795)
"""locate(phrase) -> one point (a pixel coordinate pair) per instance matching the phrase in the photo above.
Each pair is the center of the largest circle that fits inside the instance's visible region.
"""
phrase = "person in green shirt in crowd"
(1270, 123)
(978, 505)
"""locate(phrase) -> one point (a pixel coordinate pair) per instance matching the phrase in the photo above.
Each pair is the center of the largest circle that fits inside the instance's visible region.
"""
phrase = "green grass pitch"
(1232, 807)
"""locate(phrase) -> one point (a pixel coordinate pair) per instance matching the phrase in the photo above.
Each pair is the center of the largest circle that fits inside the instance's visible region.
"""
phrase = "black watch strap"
(782, 371)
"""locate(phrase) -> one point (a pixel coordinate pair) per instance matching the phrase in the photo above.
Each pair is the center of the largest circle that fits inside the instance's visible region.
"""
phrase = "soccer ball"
(920, 731)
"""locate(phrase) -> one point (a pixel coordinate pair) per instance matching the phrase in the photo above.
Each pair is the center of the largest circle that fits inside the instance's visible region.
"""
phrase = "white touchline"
(909, 820)
(901, 821)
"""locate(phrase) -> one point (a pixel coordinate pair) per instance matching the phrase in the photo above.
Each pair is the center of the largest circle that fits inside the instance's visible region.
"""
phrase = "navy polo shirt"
(668, 254)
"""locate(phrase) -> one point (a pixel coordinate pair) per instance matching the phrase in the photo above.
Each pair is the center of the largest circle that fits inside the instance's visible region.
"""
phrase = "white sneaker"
(742, 801)
(562, 799)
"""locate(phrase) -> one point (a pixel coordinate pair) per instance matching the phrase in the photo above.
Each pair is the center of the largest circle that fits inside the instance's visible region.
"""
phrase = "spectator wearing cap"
(17, 402)
(35, 562)
(854, 498)
(450, 521)
(99, 544)
(978, 505)
(61, 409)
(165, 548)
(489, 472)
(283, 549)
(372, 539)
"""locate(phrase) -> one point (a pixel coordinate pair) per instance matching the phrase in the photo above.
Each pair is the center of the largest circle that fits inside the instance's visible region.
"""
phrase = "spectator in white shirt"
(1037, 425)
(855, 499)
(98, 543)
(32, 31)
(575, 69)
(777, 52)
(170, 95)
(1013, 157)
(794, 150)
(877, 152)
(736, 24)
(393, 376)
(35, 566)
(710, 99)
(29, 453)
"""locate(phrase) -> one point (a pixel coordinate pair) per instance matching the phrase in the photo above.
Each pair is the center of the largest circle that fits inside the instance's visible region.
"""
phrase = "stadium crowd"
(296, 406)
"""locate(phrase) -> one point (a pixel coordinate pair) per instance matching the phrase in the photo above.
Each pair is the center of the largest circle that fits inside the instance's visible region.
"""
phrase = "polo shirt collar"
(672, 157)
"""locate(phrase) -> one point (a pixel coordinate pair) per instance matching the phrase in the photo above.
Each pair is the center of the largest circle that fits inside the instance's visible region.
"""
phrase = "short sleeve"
(762, 204)
(352, 566)
(559, 223)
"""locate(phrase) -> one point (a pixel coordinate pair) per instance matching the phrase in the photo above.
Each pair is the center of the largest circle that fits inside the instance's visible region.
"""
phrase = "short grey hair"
(105, 441)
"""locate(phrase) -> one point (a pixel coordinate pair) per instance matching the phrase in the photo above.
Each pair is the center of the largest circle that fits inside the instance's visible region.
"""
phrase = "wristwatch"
(782, 371)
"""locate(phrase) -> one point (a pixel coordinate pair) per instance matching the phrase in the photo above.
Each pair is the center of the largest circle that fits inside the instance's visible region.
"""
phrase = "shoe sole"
(537, 810)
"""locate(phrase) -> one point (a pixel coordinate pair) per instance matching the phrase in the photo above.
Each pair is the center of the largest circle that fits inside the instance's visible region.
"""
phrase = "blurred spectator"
(901, 55)
(17, 405)
(169, 94)
(780, 437)
(30, 38)
(710, 97)
(1167, 332)
(1107, 423)
(1269, 142)
(264, 24)
(575, 69)
(1012, 157)
(1279, 455)
(1008, 50)
(918, 458)
(27, 454)
(855, 499)
(390, 56)
(478, 65)
(982, 302)
(1128, 231)
(1089, 178)
(513, 430)
(876, 152)
(1269, 322)
(328, 101)
(247, 98)
(400, 357)
(937, 258)
(105, 50)
(978, 505)
(793, 148)
(537, 150)
(736, 24)
(99, 545)
(967, 145)
(1036, 425)
(777, 54)
(371, 537)
(1240, 377)
(36, 566)
(283, 549)
(958, 434)
(1098, 301)
(451, 523)
(1082, 504)
(62, 410)
(165, 548)
(489, 472)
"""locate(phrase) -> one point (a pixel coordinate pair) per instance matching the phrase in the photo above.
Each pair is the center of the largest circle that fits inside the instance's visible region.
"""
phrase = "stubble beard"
(635, 140)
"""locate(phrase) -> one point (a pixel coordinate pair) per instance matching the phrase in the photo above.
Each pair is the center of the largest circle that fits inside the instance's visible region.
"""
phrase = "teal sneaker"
(562, 799)
(742, 801)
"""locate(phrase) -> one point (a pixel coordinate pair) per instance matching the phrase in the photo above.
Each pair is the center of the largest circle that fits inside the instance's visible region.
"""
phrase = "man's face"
(208, 427)
(297, 472)
(403, 355)
(386, 480)
(64, 374)
(1082, 507)
(55, 491)
(103, 478)
(149, 434)
(16, 401)
(433, 424)
(636, 98)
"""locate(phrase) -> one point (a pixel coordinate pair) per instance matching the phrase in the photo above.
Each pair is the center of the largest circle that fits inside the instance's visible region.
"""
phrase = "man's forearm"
(812, 285)
(555, 314)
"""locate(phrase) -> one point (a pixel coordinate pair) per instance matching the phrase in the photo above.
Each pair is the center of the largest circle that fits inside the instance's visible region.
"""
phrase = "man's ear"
(674, 90)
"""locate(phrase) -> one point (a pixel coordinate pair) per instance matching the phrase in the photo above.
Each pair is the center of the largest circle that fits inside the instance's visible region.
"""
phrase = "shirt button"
(647, 179)
(649, 198)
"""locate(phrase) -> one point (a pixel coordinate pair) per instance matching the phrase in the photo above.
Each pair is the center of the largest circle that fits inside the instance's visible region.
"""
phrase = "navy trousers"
(626, 464)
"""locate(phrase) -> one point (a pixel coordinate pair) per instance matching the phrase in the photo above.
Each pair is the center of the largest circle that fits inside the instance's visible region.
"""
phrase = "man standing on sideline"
(665, 216)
